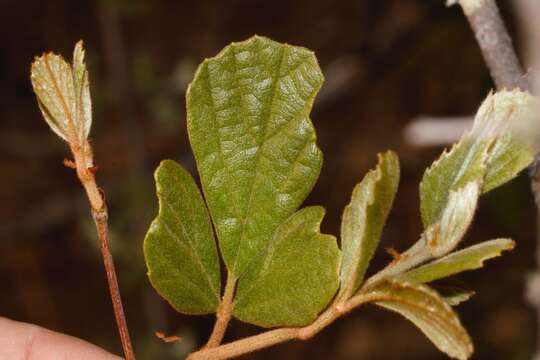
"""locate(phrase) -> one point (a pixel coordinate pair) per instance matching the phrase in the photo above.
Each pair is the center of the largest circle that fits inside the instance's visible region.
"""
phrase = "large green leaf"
(467, 259)
(496, 149)
(255, 146)
(179, 248)
(296, 277)
(363, 220)
(428, 311)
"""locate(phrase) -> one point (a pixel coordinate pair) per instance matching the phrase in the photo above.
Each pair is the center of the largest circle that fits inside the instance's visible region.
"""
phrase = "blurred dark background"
(386, 62)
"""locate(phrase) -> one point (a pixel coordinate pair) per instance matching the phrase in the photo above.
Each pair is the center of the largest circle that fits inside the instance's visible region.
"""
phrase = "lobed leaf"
(467, 259)
(179, 248)
(364, 218)
(254, 143)
(428, 311)
(295, 278)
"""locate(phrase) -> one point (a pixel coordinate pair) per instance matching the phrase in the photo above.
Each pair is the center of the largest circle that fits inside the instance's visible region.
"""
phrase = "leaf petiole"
(281, 335)
(223, 314)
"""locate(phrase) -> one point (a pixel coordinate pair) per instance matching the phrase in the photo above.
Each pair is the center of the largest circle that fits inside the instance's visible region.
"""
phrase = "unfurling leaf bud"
(63, 95)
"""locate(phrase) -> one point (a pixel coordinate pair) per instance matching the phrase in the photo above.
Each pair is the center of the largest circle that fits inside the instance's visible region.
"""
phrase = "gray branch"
(495, 43)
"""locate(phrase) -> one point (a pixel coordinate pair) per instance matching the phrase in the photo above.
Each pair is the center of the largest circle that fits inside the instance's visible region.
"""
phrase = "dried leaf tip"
(167, 339)
(63, 94)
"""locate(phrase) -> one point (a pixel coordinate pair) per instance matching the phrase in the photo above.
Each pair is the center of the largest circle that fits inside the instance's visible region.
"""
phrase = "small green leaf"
(249, 127)
(364, 218)
(467, 259)
(63, 94)
(296, 277)
(465, 163)
(509, 157)
(179, 248)
(510, 118)
(442, 237)
(428, 311)
(498, 147)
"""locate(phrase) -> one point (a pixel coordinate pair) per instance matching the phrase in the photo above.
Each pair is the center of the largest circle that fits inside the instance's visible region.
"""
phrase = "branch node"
(69, 164)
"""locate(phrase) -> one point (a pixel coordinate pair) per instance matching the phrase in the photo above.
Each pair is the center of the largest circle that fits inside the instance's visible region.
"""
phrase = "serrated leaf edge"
(371, 179)
(478, 262)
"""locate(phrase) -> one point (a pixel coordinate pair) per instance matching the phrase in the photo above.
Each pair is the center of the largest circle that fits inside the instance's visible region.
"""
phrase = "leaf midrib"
(427, 310)
(258, 155)
(69, 117)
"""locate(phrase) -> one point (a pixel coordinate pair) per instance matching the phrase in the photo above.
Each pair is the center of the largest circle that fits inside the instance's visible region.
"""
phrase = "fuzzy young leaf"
(465, 163)
(510, 117)
(467, 259)
(179, 248)
(428, 311)
(296, 277)
(455, 220)
(63, 94)
(364, 218)
(510, 156)
(82, 91)
(442, 237)
(492, 153)
(255, 146)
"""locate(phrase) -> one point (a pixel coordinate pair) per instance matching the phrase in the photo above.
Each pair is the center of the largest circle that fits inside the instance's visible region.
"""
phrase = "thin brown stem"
(278, 336)
(246, 345)
(83, 162)
(223, 314)
(100, 219)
